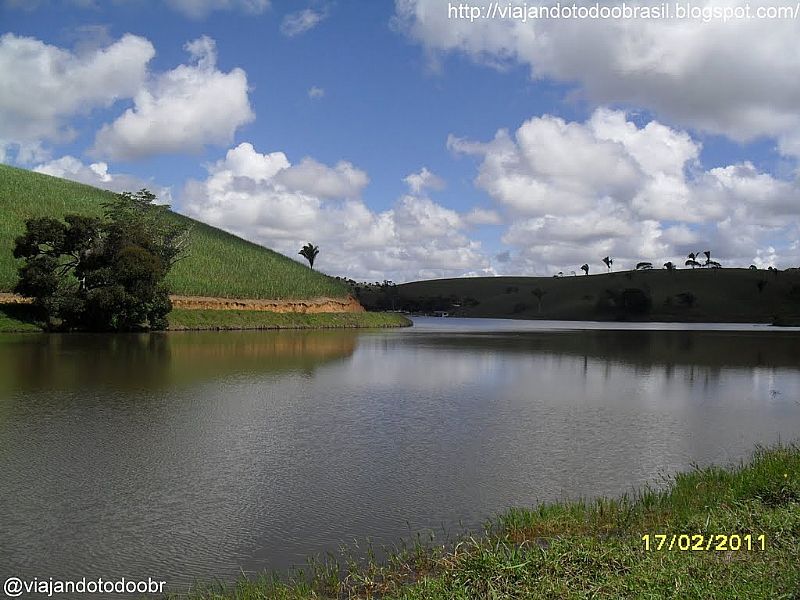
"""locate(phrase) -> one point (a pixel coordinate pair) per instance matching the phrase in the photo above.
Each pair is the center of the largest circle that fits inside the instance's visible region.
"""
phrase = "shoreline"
(778, 322)
(15, 318)
(240, 320)
(715, 532)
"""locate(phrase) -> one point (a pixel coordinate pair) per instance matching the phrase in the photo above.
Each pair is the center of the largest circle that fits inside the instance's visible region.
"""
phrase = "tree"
(52, 250)
(644, 266)
(629, 302)
(539, 293)
(135, 217)
(608, 261)
(585, 268)
(310, 252)
(688, 299)
(669, 266)
(102, 274)
(708, 257)
(635, 301)
(691, 262)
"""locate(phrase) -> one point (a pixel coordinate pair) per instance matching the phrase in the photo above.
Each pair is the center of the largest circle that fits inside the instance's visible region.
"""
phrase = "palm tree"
(310, 252)
(609, 261)
(692, 260)
(585, 268)
(708, 257)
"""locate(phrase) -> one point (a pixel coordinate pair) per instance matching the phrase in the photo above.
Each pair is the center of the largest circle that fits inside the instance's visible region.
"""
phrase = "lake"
(197, 455)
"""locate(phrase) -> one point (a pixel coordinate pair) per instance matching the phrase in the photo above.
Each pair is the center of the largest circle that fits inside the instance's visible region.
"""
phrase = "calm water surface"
(197, 455)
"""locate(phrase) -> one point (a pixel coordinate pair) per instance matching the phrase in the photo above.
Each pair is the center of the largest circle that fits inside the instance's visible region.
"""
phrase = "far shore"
(731, 295)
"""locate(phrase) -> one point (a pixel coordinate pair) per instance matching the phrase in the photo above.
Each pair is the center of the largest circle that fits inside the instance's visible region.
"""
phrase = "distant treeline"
(715, 295)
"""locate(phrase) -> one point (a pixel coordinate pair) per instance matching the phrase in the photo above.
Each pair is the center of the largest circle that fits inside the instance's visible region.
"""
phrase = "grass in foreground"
(219, 264)
(591, 549)
(253, 319)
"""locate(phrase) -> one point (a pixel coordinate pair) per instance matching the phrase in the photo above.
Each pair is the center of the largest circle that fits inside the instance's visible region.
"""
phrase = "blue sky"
(408, 144)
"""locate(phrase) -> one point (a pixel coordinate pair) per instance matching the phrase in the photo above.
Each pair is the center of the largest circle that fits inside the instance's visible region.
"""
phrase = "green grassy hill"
(219, 264)
(721, 295)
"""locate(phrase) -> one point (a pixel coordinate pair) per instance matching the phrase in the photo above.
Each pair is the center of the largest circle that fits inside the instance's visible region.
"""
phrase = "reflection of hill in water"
(672, 348)
(67, 362)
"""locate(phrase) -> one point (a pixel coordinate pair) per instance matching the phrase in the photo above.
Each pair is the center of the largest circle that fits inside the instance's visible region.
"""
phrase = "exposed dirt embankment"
(6, 298)
(316, 305)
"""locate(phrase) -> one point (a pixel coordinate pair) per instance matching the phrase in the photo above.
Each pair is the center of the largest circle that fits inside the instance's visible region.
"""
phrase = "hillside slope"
(219, 264)
(710, 295)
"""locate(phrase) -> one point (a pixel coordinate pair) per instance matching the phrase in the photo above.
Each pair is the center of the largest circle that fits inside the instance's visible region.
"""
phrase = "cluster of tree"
(692, 260)
(102, 273)
(647, 266)
(376, 295)
(630, 302)
(357, 287)
(386, 295)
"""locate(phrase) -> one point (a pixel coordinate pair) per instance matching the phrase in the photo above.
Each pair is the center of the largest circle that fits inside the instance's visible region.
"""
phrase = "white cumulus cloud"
(483, 216)
(181, 110)
(311, 177)
(265, 198)
(44, 86)
(738, 78)
(423, 180)
(577, 191)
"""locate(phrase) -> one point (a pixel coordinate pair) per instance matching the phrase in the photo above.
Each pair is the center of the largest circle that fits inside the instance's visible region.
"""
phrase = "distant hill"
(691, 295)
(219, 264)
